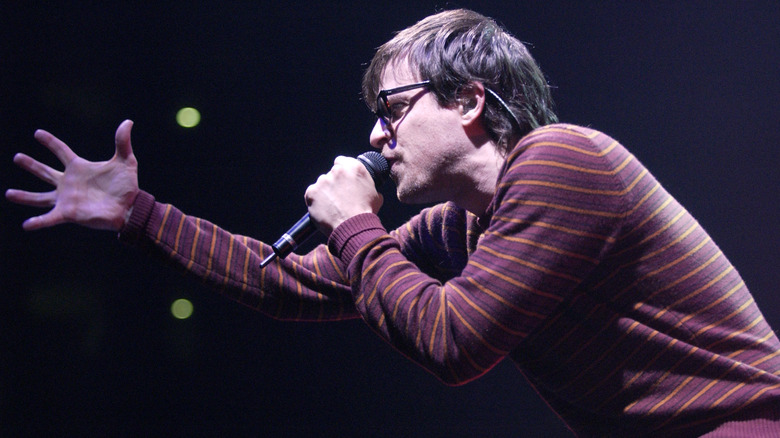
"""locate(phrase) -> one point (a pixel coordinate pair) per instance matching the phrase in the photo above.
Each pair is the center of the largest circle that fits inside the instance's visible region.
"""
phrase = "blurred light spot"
(181, 308)
(188, 117)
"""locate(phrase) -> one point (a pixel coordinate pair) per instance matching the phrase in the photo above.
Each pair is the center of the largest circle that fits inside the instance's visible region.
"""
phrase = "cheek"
(426, 131)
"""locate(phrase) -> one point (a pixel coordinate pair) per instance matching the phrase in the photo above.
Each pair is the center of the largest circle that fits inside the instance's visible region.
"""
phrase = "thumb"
(124, 149)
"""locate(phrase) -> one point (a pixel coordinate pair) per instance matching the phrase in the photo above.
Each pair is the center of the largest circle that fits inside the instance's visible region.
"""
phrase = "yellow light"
(188, 117)
(181, 308)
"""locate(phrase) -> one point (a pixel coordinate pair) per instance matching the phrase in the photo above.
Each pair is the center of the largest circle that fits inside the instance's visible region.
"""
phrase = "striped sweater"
(611, 299)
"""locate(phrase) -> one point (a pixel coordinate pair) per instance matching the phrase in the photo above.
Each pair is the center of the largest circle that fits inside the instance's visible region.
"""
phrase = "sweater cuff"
(353, 234)
(141, 212)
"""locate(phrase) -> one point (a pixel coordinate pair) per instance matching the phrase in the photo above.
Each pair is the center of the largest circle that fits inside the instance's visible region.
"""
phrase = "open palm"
(94, 194)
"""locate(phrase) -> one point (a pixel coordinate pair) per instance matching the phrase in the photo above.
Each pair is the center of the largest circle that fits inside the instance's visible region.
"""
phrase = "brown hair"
(455, 48)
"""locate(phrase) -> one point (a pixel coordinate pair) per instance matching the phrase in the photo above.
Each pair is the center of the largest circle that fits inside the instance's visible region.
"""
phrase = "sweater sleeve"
(556, 209)
(311, 287)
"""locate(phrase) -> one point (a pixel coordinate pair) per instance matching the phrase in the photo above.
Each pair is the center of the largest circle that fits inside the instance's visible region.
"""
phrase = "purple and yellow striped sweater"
(611, 299)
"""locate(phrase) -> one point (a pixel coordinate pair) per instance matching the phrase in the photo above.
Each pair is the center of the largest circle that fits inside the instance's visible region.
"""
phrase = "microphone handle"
(302, 230)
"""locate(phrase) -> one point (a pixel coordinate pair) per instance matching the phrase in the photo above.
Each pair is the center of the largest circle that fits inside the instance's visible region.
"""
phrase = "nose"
(380, 135)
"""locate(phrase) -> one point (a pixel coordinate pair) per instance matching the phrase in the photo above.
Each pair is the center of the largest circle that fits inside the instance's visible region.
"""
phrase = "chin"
(405, 196)
(414, 195)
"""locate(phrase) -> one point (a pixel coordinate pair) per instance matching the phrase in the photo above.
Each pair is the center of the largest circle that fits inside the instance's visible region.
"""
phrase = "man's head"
(454, 49)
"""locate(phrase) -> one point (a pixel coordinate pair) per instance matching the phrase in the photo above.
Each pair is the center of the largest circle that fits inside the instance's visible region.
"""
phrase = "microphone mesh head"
(376, 165)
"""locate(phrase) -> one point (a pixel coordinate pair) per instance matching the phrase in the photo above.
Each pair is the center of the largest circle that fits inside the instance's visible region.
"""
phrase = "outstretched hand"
(93, 194)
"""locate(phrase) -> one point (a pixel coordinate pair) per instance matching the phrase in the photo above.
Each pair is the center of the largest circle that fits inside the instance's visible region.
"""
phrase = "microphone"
(379, 170)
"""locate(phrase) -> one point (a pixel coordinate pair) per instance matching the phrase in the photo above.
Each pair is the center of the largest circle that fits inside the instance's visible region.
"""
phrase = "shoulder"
(567, 164)
(565, 137)
(568, 145)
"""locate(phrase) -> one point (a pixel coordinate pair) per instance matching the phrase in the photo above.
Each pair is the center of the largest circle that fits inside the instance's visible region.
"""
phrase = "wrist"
(350, 236)
(137, 217)
(127, 216)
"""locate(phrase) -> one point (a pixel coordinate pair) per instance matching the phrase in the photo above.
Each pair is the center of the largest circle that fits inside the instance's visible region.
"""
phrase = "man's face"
(422, 142)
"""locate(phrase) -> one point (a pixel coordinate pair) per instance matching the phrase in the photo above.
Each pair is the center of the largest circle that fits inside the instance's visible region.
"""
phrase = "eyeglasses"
(505, 106)
(385, 114)
(383, 110)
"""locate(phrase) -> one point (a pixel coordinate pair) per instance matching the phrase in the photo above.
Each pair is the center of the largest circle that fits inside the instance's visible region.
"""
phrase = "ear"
(471, 103)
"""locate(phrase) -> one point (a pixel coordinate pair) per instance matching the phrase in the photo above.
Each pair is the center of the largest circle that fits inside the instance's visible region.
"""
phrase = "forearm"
(310, 287)
(536, 249)
(440, 325)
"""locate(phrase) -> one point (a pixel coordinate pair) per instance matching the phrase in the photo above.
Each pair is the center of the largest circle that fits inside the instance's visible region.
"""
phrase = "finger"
(322, 180)
(54, 144)
(124, 148)
(37, 168)
(342, 160)
(349, 163)
(32, 199)
(308, 195)
(49, 219)
(379, 201)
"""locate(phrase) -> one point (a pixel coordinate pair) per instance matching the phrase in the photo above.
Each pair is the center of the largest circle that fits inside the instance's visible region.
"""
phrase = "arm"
(310, 287)
(530, 258)
(105, 195)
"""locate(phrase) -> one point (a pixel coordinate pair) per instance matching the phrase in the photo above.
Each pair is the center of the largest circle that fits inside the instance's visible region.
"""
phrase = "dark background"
(88, 344)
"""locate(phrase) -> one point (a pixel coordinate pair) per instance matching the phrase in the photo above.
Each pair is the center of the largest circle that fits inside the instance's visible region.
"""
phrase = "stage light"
(188, 117)
(181, 308)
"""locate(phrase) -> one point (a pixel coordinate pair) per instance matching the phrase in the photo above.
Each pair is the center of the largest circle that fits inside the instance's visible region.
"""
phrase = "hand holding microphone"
(321, 199)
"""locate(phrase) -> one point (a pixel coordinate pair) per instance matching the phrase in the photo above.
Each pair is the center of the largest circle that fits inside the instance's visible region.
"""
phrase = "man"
(551, 245)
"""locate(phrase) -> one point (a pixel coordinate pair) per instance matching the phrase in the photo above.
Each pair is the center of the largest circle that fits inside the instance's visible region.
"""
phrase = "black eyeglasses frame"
(383, 106)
